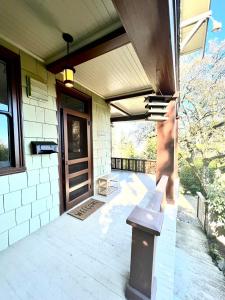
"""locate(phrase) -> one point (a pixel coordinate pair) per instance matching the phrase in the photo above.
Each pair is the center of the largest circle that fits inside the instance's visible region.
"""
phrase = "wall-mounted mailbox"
(44, 147)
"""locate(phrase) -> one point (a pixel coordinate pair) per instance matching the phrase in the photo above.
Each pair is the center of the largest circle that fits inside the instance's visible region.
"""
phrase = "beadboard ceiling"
(114, 73)
(37, 25)
(133, 106)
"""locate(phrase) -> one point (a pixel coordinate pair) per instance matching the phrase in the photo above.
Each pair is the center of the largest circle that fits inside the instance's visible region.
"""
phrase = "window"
(11, 154)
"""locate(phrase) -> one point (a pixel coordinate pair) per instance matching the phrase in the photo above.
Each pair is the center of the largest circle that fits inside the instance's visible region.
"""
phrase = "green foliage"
(188, 180)
(214, 251)
(150, 148)
(216, 195)
(128, 150)
(4, 155)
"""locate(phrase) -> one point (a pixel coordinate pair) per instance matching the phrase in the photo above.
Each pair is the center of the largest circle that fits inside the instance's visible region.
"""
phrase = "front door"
(76, 156)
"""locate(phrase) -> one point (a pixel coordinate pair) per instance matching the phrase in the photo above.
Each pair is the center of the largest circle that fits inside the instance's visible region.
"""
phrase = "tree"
(202, 121)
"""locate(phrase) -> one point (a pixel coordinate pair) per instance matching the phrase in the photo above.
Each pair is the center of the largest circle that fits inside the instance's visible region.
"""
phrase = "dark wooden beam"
(103, 45)
(120, 109)
(129, 95)
(129, 118)
(147, 23)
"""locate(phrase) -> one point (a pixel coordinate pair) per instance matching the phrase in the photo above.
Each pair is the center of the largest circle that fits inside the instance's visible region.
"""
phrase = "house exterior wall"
(30, 200)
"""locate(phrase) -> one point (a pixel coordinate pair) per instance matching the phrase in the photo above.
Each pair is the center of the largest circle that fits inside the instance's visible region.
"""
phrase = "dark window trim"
(14, 77)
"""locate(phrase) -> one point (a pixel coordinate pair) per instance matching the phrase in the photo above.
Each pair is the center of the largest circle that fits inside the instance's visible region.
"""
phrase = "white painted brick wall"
(7, 221)
(23, 213)
(18, 232)
(12, 200)
(35, 224)
(4, 240)
(101, 139)
(38, 207)
(30, 199)
(1, 205)
(43, 190)
(44, 175)
(17, 181)
(4, 184)
(33, 177)
(29, 194)
(44, 218)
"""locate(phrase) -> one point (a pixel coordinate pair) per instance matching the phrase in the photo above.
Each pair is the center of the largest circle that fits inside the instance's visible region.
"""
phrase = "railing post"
(128, 164)
(146, 226)
(135, 166)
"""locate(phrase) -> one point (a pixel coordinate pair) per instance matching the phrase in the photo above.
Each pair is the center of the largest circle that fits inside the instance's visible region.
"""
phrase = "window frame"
(14, 86)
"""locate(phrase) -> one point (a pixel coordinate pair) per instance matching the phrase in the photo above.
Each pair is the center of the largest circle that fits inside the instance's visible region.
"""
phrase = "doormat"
(86, 209)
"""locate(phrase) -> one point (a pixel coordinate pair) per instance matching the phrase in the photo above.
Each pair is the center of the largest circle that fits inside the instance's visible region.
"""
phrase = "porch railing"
(133, 164)
(146, 227)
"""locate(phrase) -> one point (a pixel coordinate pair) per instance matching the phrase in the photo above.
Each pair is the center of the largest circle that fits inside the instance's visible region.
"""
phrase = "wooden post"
(166, 164)
(146, 226)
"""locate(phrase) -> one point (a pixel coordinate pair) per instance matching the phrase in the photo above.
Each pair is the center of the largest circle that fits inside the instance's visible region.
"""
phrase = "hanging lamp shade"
(68, 76)
(68, 72)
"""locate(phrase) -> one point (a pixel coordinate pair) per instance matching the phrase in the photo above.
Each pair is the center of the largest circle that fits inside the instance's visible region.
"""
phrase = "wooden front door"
(76, 148)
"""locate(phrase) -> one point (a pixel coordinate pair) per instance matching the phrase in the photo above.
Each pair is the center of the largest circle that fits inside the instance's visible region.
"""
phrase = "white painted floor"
(80, 260)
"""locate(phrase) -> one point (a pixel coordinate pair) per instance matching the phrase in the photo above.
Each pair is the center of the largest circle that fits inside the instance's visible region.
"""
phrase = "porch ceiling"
(133, 106)
(113, 67)
(37, 26)
(114, 73)
(190, 10)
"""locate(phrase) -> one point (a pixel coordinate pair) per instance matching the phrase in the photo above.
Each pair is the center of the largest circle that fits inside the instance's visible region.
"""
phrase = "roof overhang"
(194, 24)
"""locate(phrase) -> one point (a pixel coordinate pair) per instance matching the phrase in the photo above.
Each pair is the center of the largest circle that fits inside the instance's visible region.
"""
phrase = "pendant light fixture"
(68, 72)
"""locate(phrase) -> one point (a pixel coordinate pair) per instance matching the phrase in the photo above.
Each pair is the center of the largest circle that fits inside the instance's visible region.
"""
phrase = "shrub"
(188, 180)
(216, 196)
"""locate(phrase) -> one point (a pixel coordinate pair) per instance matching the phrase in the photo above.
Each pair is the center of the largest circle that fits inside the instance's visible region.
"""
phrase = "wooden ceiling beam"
(120, 109)
(128, 118)
(148, 26)
(129, 95)
(111, 41)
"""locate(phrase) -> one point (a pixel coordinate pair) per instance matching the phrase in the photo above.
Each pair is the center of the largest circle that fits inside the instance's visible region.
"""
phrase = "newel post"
(146, 226)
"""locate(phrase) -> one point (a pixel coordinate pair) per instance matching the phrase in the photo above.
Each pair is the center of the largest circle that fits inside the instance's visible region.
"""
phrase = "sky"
(218, 13)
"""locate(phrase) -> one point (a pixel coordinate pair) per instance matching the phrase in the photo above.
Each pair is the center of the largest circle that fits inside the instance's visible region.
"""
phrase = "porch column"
(166, 161)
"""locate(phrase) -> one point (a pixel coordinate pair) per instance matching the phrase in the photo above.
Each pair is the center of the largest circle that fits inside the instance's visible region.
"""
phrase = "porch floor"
(73, 259)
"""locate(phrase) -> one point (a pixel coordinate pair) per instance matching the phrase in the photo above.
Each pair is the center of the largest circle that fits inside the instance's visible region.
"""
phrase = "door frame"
(73, 92)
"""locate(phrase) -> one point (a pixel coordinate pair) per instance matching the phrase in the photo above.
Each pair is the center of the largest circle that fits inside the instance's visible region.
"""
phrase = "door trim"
(60, 88)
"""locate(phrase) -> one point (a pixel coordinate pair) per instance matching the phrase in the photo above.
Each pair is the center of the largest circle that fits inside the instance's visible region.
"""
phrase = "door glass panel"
(77, 137)
(78, 167)
(4, 142)
(73, 103)
(82, 190)
(4, 104)
(79, 179)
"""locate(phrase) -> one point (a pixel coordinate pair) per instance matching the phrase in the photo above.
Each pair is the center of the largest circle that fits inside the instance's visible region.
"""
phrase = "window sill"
(9, 171)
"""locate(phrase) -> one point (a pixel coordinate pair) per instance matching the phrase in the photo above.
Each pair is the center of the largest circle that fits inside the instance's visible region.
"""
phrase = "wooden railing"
(146, 227)
(134, 164)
